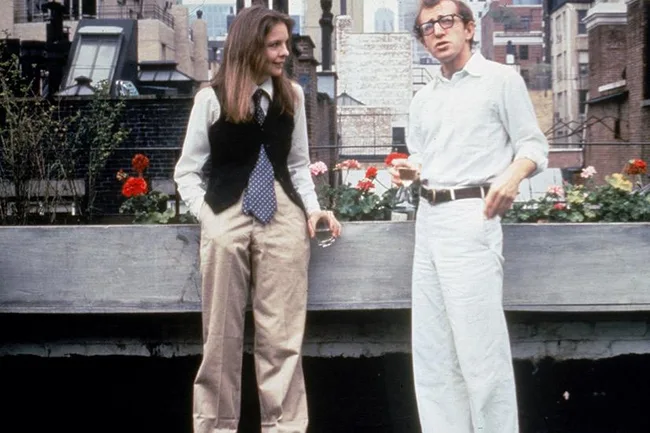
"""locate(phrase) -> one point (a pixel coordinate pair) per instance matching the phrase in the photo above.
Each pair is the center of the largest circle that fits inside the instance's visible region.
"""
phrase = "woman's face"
(276, 51)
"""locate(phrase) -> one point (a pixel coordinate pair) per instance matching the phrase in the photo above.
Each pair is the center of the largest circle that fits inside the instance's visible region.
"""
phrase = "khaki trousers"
(238, 255)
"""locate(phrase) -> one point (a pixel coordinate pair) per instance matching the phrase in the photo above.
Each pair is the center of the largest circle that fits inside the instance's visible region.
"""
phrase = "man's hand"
(504, 188)
(332, 222)
(401, 163)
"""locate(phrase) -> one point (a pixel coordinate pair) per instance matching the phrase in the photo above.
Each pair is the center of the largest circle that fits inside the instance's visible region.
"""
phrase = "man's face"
(448, 45)
(276, 50)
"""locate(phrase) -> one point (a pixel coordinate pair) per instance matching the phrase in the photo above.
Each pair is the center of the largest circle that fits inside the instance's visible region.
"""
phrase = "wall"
(376, 70)
(156, 128)
(369, 128)
(543, 103)
(638, 62)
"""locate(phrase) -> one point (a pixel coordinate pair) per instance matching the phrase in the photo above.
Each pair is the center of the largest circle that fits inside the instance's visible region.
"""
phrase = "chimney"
(326, 33)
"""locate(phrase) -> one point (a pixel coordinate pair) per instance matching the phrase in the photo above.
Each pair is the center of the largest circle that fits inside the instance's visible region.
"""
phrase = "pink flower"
(588, 172)
(559, 206)
(348, 163)
(555, 191)
(318, 168)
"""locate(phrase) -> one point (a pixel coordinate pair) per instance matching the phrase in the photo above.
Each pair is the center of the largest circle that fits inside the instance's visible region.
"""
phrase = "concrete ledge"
(154, 269)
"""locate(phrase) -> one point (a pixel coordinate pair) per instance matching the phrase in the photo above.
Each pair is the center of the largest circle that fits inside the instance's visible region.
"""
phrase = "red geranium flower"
(636, 166)
(371, 173)
(134, 186)
(140, 163)
(365, 185)
(394, 155)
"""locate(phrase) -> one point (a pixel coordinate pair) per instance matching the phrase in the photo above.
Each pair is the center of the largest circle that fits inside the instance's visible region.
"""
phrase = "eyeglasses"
(445, 21)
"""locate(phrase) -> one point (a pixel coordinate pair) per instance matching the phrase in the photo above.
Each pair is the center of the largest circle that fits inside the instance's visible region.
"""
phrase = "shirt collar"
(267, 86)
(475, 66)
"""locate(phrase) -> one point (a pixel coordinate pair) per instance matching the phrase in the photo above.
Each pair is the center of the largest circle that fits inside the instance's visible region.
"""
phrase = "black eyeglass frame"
(439, 21)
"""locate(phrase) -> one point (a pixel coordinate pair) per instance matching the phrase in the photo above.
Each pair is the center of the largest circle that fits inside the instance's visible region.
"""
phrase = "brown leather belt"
(437, 196)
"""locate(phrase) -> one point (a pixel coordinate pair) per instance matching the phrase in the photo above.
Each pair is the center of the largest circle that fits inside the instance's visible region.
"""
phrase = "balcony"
(24, 14)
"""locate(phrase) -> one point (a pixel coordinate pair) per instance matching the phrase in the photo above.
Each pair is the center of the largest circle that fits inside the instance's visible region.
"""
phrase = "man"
(473, 136)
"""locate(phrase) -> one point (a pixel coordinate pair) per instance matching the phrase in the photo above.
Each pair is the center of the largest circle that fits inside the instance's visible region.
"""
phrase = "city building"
(570, 69)
(618, 105)
(512, 33)
(374, 90)
(163, 31)
(215, 13)
(313, 12)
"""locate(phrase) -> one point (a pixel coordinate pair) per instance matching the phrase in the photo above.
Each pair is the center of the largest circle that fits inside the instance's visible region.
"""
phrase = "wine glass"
(403, 196)
(324, 237)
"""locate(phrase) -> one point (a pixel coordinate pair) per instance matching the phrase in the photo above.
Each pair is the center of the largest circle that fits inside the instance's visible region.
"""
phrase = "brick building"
(513, 33)
(618, 109)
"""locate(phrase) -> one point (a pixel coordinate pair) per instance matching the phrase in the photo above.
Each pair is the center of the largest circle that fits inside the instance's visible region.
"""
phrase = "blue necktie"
(259, 197)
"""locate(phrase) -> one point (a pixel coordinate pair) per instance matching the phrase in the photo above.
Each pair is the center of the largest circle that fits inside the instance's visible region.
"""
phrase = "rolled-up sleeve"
(521, 123)
(196, 150)
(298, 159)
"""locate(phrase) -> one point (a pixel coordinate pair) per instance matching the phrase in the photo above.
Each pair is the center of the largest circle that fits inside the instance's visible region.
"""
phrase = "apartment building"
(570, 68)
(163, 31)
(513, 33)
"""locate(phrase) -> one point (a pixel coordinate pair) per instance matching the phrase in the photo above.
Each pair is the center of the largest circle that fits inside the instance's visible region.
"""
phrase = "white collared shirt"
(196, 149)
(468, 129)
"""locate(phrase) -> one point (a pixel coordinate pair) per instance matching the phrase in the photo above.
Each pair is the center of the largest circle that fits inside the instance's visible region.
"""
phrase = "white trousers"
(462, 364)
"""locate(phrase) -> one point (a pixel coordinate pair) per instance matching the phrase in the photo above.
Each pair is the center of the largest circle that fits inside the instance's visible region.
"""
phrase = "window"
(617, 128)
(95, 57)
(524, 23)
(582, 101)
(582, 27)
(560, 67)
(583, 69)
(559, 30)
(523, 52)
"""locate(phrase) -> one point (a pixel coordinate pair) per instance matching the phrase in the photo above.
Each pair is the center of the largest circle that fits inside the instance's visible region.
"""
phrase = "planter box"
(154, 268)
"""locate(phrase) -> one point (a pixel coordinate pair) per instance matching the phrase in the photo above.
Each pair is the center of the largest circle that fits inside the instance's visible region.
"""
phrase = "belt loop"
(433, 199)
(452, 193)
(482, 191)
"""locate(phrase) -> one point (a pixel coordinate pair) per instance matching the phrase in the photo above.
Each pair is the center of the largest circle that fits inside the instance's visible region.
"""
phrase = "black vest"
(234, 149)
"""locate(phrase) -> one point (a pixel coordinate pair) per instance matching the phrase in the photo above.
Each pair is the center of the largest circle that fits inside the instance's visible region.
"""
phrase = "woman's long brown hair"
(244, 62)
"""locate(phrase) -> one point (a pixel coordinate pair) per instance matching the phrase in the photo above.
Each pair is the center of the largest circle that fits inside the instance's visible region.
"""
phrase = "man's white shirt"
(468, 129)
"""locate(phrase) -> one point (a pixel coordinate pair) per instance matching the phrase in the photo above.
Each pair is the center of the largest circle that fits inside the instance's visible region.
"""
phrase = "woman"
(256, 214)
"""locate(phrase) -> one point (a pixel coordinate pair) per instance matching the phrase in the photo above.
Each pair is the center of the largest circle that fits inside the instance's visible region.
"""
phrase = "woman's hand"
(332, 222)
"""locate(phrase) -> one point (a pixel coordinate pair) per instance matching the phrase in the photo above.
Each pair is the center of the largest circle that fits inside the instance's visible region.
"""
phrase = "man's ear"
(470, 28)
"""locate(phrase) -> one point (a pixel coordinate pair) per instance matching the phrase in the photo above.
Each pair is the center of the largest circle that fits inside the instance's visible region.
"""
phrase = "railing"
(151, 11)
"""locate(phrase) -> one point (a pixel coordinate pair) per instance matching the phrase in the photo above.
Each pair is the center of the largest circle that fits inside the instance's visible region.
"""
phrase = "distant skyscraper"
(407, 11)
(380, 16)
(215, 14)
